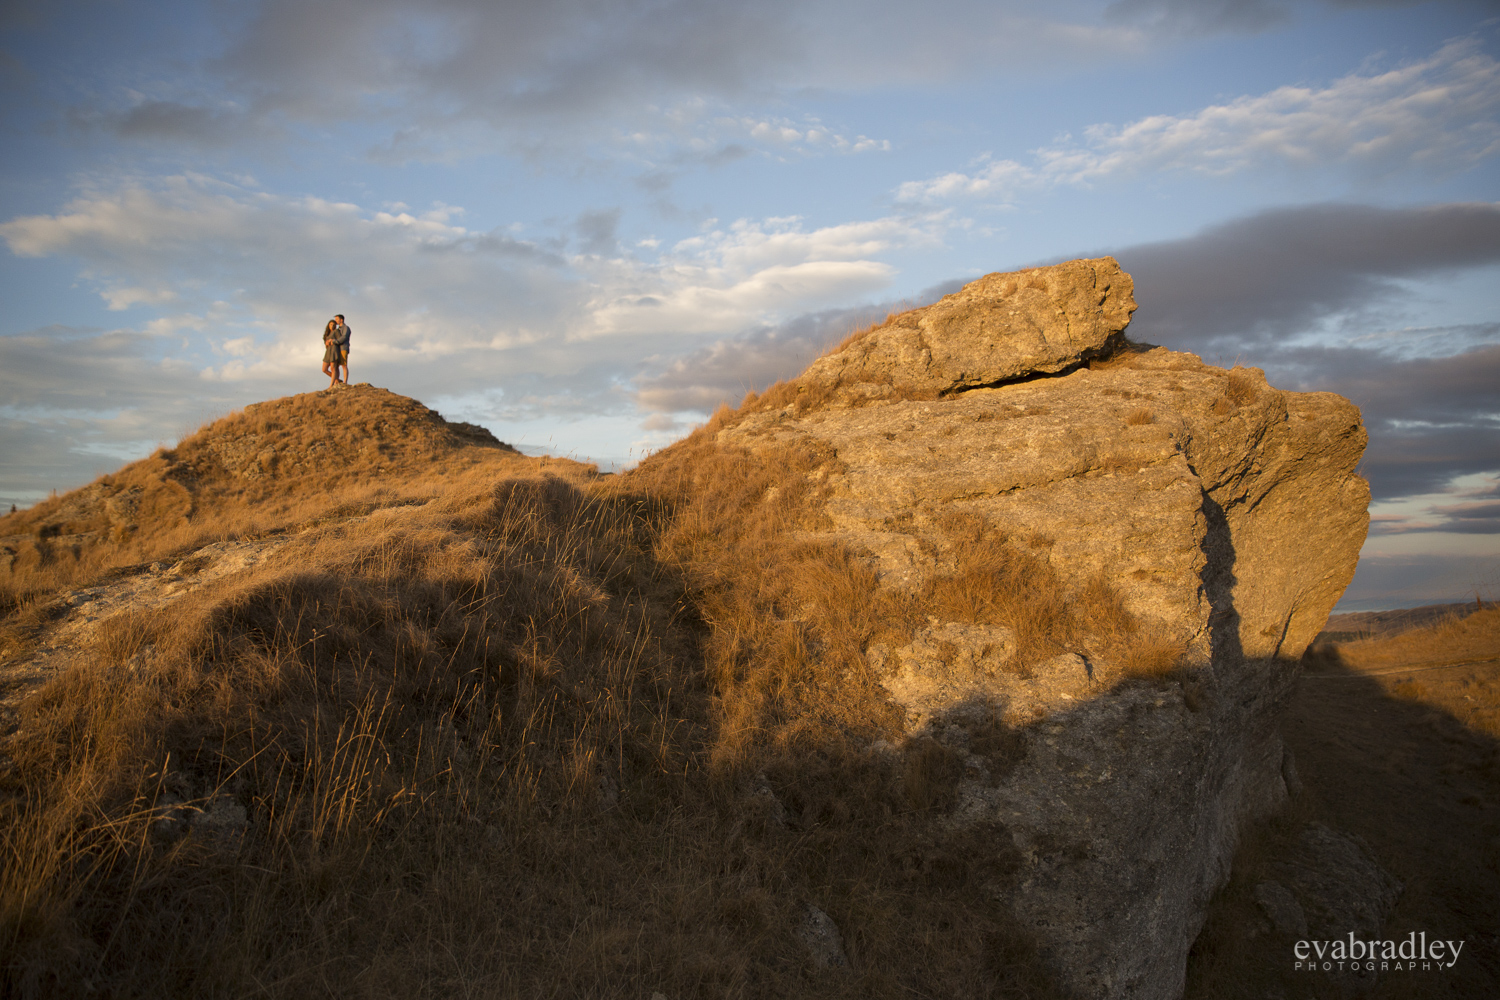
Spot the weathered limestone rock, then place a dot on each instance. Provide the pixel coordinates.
(1001, 327)
(1282, 909)
(1224, 513)
(1337, 884)
(1192, 489)
(820, 936)
(222, 821)
(1327, 886)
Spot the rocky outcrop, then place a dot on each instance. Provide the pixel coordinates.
(1222, 514)
(999, 328)
(1327, 886)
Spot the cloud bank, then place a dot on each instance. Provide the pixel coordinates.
(275, 264)
(429, 74)
(1437, 115)
(236, 282)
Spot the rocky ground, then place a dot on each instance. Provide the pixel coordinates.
(76, 616)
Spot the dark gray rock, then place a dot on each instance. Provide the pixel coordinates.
(1282, 909)
(1340, 885)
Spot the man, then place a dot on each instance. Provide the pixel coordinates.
(341, 335)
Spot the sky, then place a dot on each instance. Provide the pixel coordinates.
(586, 223)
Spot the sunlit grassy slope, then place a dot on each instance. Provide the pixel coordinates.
(487, 725)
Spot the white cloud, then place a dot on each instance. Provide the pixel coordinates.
(664, 142)
(228, 289)
(121, 298)
(239, 260)
(425, 287)
(1438, 114)
(807, 136)
(74, 404)
(751, 272)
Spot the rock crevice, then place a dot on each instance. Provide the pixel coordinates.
(1222, 515)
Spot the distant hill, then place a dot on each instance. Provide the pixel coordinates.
(1380, 624)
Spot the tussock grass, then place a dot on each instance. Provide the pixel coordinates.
(1472, 637)
(513, 740)
(274, 466)
(368, 699)
(512, 730)
(789, 619)
(1000, 580)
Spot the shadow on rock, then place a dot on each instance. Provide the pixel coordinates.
(1393, 831)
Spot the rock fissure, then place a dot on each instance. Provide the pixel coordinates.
(1181, 491)
(1033, 376)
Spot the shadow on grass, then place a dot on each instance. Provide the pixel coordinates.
(471, 753)
(1420, 788)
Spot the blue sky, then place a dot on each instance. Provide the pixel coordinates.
(585, 223)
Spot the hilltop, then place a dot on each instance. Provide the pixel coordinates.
(263, 469)
(259, 468)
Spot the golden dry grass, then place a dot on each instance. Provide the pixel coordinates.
(507, 729)
(277, 465)
(511, 741)
(1475, 636)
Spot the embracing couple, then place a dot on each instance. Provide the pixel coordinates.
(336, 350)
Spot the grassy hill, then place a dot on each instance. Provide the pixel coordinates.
(382, 708)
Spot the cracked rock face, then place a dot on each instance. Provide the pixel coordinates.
(1001, 327)
(1193, 490)
(1224, 513)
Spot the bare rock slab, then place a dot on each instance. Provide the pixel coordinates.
(1001, 327)
(820, 936)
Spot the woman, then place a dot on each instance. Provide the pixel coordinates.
(332, 356)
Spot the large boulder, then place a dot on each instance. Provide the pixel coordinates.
(1223, 515)
(999, 328)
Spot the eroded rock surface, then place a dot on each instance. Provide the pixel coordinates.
(1189, 488)
(1225, 515)
(1337, 885)
(1001, 327)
